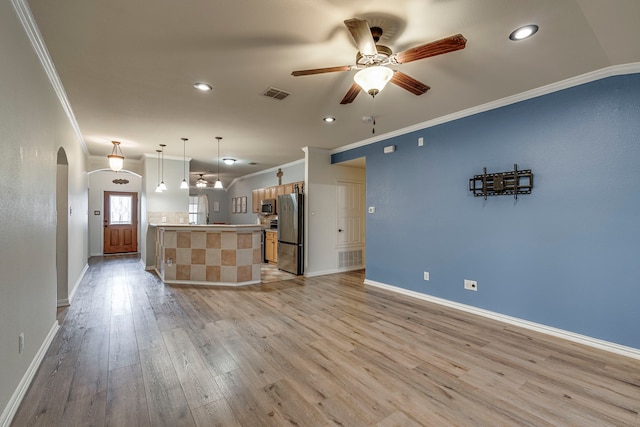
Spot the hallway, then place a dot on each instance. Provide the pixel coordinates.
(310, 352)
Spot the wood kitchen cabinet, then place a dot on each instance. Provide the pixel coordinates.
(260, 194)
(257, 196)
(255, 202)
(271, 193)
(271, 247)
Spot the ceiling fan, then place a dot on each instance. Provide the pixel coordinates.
(373, 60)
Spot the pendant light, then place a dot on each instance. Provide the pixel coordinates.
(116, 159)
(185, 184)
(158, 189)
(163, 187)
(218, 183)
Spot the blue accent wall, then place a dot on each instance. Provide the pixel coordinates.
(567, 255)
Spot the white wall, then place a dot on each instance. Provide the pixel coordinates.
(172, 204)
(99, 182)
(34, 126)
(215, 195)
(321, 214)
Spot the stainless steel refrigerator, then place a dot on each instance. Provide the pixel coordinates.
(291, 233)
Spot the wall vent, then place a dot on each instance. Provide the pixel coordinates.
(274, 93)
(350, 258)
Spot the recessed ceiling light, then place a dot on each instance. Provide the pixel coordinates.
(202, 86)
(329, 119)
(228, 161)
(523, 32)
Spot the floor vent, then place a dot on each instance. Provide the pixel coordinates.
(274, 93)
(350, 258)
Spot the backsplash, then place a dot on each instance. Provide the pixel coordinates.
(265, 220)
(168, 217)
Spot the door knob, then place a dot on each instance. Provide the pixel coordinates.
(340, 230)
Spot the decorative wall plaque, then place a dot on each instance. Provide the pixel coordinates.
(120, 181)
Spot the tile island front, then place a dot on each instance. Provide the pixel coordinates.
(217, 255)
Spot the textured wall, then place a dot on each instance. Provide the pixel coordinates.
(34, 126)
(564, 256)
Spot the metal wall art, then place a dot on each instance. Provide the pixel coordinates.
(502, 183)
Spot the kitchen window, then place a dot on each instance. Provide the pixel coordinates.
(193, 209)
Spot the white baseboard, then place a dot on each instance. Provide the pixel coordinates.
(11, 408)
(337, 270)
(64, 302)
(147, 267)
(560, 333)
(77, 284)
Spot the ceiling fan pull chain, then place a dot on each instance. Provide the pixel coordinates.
(373, 130)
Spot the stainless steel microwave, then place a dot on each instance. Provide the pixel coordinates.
(268, 206)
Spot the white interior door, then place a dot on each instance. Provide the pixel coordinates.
(351, 198)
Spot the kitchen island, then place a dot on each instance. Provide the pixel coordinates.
(217, 255)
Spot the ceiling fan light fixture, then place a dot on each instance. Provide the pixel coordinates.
(201, 182)
(228, 161)
(523, 32)
(373, 79)
(204, 87)
(116, 159)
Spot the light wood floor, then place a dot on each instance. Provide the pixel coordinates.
(308, 352)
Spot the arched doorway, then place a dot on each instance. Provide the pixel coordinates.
(62, 227)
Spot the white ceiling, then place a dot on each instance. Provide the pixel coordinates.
(128, 67)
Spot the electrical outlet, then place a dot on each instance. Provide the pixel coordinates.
(420, 142)
(426, 275)
(20, 342)
(470, 285)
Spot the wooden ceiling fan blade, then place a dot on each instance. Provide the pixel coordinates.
(361, 33)
(438, 47)
(321, 70)
(353, 91)
(409, 83)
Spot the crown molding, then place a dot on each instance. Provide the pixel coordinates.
(166, 157)
(616, 70)
(273, 169)
(33, 33)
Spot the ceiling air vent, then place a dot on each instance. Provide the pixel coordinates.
(274, 93)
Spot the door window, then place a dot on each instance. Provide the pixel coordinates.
(121, 212)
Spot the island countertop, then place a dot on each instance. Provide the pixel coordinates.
(199, 226)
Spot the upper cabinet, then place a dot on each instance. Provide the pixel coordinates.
(257, 196)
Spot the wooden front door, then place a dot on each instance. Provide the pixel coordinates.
(120, 222)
